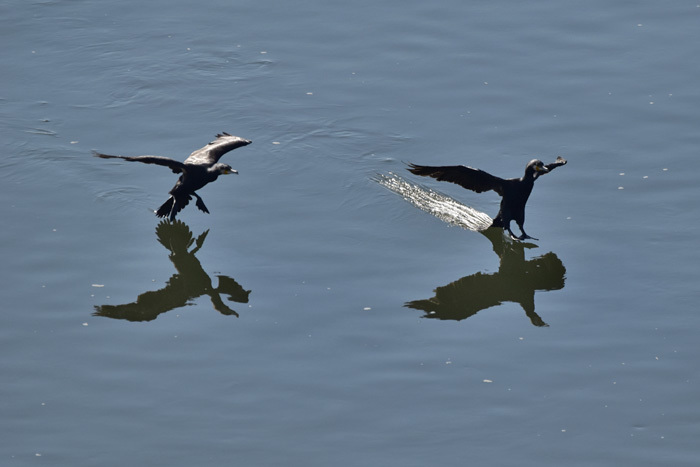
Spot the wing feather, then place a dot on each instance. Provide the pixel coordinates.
(467, 177)
(212, 152)
(175, 166)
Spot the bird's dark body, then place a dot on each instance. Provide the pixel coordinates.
(519, 191)
(186, 187)
(514, 191)
(199, 169)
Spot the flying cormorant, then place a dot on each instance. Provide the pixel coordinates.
(514, 191)
(200, 168)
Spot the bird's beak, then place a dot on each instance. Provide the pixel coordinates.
(542, 169)
(232, 171)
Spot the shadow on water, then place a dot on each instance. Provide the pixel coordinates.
(517, 279)
(190, 281)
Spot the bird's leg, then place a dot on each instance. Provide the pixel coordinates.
(506, 228)
(200, 204)
(174, 209)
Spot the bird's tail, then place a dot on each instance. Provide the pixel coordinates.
(172, 206)
(164, 210)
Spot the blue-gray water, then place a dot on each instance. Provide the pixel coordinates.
(369, 332)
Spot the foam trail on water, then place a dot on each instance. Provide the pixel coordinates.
(441, 206)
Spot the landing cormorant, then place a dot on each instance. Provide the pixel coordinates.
(514, 191)
(200, 168)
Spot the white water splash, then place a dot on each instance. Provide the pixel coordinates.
(441, 206)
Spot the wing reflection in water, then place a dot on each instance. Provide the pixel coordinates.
(517, 279)
(190, 281)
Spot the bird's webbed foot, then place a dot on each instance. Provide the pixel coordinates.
(200, 204)
(522, 237)
(525, 236)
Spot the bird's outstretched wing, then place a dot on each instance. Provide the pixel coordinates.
(558, 163)
(212, 152)
(467, 177)
(175, 166)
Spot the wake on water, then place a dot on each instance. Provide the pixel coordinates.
(441, 206)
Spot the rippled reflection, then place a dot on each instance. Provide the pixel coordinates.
(190, 281)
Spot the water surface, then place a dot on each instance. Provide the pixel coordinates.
(316, 317)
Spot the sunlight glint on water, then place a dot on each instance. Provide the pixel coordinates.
(441, 206)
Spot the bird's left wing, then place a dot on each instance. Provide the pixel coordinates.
(212, 152)
(467, 177)
(175, 166)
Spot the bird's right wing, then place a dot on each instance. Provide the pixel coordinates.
(558, 163)
(175, 166)
(467, 177)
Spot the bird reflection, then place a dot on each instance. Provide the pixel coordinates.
(516, 281)
(189, 283)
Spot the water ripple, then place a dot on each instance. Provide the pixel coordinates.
(441, 206)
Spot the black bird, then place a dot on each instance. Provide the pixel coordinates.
(200, 168)
(514, 191)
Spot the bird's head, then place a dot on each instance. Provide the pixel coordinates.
(223, 169)
(535, 168)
